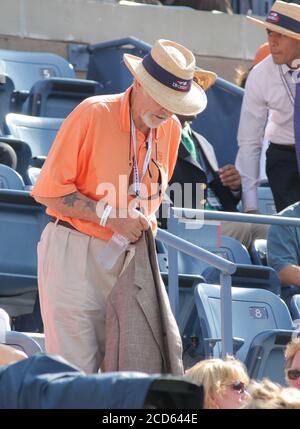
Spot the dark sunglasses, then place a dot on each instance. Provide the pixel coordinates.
(293, 374)
(153, 164)
(238, 386)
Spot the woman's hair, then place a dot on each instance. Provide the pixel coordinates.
(268, 395)
(215, 374)
(242, 76)
(291, 349)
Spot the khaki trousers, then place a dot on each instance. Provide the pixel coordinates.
(244, 232)
(73, 289)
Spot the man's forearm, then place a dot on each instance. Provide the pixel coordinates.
(75, 205)
(290, 275)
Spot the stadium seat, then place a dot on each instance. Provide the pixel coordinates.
(21, 223)
(294, 305)
(253, 311)
(37, 132)
(21, 341)
(10, 179)
(25, 68)
(265, 357)
(106, 63)
(248, 276)
(57, 97)
(6, 99)
(265, 199)
(258, 252)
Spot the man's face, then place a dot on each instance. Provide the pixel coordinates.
(284, 49)
(152, 113)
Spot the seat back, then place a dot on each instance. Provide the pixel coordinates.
(258, 251)
(6, 99)
(265, 200)
(10, 179)
(248, 276)
(57, 97)
(21, 223)
(253, 311)
(106, 64)
(25, 68)
(21, 341)
(294, 306)
(265, 358)
(39, 133)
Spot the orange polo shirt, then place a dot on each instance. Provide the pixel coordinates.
(93, 154)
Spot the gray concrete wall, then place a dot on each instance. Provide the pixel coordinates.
(218, 40)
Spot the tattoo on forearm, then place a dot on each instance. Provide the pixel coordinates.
(90, 205)
(70, 200)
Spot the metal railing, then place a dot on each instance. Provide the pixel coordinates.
(226, 267)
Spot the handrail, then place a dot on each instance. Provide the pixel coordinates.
(196, 251)
(226, 267)
(234, 216)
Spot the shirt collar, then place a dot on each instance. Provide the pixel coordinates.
(285, 69)
(125, 116)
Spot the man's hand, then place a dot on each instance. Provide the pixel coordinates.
(230, 177)
(130, 224)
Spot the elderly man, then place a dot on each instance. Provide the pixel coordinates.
(272, 93)
(114, 154)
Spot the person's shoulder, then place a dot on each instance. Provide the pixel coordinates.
(291, 211)
(101, 101)
(264, 67)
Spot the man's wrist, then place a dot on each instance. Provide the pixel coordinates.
(105, 215)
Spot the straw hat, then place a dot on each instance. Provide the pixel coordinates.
(283, 18)
(167, 74)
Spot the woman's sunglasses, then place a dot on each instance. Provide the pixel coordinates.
(293, 374)
(238, 386)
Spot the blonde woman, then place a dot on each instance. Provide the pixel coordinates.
(268, 395)
(225, 382)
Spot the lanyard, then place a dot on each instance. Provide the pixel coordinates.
(136, 178)
(287, 86)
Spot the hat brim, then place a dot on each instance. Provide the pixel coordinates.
(273, 27)
(180, 103)
(205, 78)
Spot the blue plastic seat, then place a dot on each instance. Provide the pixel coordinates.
(6, 99)
(37, 132)
(25, 68)
(10, 179)
(294, 305)
(22, 342)
(265, 357)
(253, 311)
(22, 221)
(265, 200)
(57, 97)
(106, 63)
(258, 252)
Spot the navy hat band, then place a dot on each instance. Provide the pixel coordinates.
(165, 77)
(283, 21)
